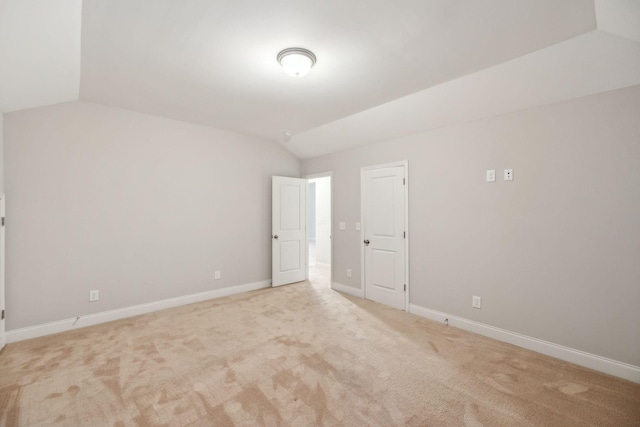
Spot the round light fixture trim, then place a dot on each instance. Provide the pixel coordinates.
(296, 61)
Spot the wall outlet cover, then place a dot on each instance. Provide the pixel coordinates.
(508, 174)
(476, 302)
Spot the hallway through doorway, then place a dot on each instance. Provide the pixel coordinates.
(319, 229)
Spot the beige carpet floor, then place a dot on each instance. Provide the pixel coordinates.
(298, 355)
(320, 274)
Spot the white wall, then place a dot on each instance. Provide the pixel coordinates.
(553, 254)
(323, 220)
(139, 207)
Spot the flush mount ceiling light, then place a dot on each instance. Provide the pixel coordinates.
(296, 61)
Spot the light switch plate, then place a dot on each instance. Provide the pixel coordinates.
(491, 175)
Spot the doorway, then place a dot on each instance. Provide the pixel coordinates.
(319, 229)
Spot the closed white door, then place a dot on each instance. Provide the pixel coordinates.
(288, 231)
(383, 210)
(2, 336)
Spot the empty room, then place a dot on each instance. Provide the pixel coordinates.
(329, 213)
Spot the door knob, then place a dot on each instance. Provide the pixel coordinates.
(366, 242)
(275, 237)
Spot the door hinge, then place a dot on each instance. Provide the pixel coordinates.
(404, 181)
(405, 234)
(405, 287)
(2, 317)
(3, 221)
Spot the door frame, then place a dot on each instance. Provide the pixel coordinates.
(405, 164)
(322, 175)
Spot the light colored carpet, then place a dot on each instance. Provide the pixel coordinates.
(298, 355)
(320, 274)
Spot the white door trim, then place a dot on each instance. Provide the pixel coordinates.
(323, 175)
(405, 164)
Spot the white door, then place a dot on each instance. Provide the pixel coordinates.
(384, 234)
(2, 337)
(288, 230)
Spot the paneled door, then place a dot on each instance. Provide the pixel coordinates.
(288, 230)
(384, 234)
(2, 330)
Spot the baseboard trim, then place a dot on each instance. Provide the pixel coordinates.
(582, 358)
(121, 313)
(356, 292)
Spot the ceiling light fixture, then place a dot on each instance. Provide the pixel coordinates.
(296, 61)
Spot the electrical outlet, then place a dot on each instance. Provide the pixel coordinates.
(216, 275)
(491, 175)
(348, 272)
(94, 296)
(357, 226)
(476, 302)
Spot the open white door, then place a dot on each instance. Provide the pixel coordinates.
(384, 234)
(2, 336)
(288, 230)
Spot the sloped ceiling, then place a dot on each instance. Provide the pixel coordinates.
(591, 63)
(384, 68)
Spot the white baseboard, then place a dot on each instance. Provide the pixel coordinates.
(588, 360)
(121, 313)
(356, 292)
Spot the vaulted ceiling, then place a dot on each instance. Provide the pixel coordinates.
(384, 68)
